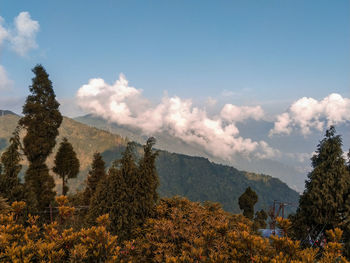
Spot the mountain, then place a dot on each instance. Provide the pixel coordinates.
(257, 130)
(194, 177)
(7, 112)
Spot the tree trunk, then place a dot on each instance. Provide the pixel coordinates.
(64, 190)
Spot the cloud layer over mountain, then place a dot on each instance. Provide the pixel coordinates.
(218, 134)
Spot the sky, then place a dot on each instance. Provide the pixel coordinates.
(191, 68)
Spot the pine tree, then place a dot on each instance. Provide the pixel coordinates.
(322, 206)
(66, 164)
(10, 186)
(126, 204)
(128, 192)
(148, 180)
(247, 201)
(41, 120)
(96, 174)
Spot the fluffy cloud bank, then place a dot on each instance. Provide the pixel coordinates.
(21, 36)
(218, 134)
(307, 113)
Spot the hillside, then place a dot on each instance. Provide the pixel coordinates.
(194, 177)
(285, 171)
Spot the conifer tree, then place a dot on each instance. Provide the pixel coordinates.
(148, 180)
(322, 206)
(247, 201)
(126, 201)
(10, 186)
(101, 201)
(96, 174)
(116, 194)
(128, 193)
(66, 164)
(41, 120)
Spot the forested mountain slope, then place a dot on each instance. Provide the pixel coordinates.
(286, 171)
(192, 177)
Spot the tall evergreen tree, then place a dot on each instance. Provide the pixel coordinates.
(125, 206)
(10, 186)
(148, 180)
(41, 120)
(322, 205)
(247, 201)
(96, 174)
(128, 193)
(66, 164)
(116, 194)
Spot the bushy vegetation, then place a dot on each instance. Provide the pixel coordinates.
(178, 231)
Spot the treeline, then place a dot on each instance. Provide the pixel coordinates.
(122, 219)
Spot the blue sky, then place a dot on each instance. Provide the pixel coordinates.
(265, 52)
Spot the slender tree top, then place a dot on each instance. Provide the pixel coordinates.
(42, 117)
(42, 92)
(329, 149)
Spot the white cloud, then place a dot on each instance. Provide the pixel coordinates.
(22, 38)
(5, 82)
(236, 114)
(307, 113)
(219, 135)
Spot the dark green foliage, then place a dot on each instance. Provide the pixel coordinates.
(247, 201)
(260, 219)
(323, 204)
(41, 120)
(10, 186)
(117, 194)
(128, 193)
(196, 178)
(66, 164)
(96, 174)
(148, 180)
(200, 180)
(39, 186)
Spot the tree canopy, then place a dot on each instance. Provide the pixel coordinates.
(41, 120)
(66, 164)
(10, 185)
(323, 206)
(247, 201)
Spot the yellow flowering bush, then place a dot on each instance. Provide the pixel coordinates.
(180, 231)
